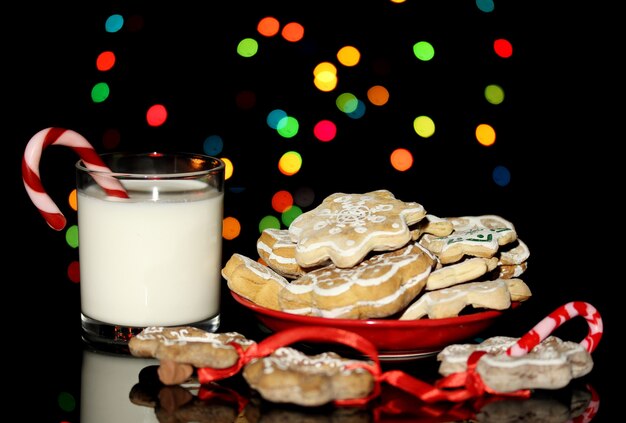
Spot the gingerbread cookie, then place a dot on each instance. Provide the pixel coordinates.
(344, 228)
(478, 236)
(181, 349)
(289, 376)
(449, 302)
(516, 252)
(513, 259)
(433, 225)
(278, 251)
(551, 364)
(253, 281)
(377, 287)
(465, 270)
(508, 271)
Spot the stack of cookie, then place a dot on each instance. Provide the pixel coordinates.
(371, 255)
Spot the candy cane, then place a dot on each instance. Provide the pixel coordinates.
(556, 319)
(30, 171)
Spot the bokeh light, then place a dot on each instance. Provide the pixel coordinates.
(282, 200)
(378, 95)
(213, 145)
(71, 236)
(347, 102)
(100, 92)
(274, 117)
(424, 51)
(424, 126)
(114, 23)
(228, 168)
(288, 127)
(503, 48)
(501, 176)
(73, 271)
(268, 26)
(290, 214)
(325, 130)
(485, 134)
(494, 94)
(105, 61)
(485, 5)
(293, 32)
(248, 47)
(349, 56)
(269, 222)
(72, 200)
(66, 401)
(290, 163)
(304, 196)
(231, 228)
(156, 115)
(111, 138)
(401, 159)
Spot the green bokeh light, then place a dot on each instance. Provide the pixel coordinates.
(247, 47)
(100, 92)
(66, 401)
(290, 214)
(71, 236)
(269, 222)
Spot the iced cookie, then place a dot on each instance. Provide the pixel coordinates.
(465, 270)
(289, 376)
(180, 349)
(449, 302)
(377, 287)
(513, 259)
(278, 251)
(253, 281)
(485, 221)
(344, 228)
(508, 271)
(551, 364)
(433, 225)
(516, 252)
(477, 236)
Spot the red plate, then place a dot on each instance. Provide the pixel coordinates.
(394, 339)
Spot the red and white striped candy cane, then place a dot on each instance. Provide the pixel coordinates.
(556, 319)
(30, 170)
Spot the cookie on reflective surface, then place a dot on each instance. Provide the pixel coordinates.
(290, 376)
(344, 228)
(551, 364)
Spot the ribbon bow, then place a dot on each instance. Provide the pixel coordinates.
(457, 387)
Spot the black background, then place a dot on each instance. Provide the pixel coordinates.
(555, 134)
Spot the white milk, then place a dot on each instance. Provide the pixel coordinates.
(146, 263)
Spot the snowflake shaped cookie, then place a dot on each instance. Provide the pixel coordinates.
(344, 228)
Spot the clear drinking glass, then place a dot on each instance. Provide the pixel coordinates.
(152, 257)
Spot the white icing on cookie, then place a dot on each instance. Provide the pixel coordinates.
(382, 284)
(345, 227)
(172, 336)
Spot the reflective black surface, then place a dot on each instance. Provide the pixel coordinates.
(71, 381)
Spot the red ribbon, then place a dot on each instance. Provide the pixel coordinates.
(457, 387)
(467, 384)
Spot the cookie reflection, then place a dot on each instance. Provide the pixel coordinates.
(232, 401)
(105, 382)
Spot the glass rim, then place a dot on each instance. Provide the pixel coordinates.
(218, 165)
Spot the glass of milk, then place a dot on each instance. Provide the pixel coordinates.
(152, 257)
